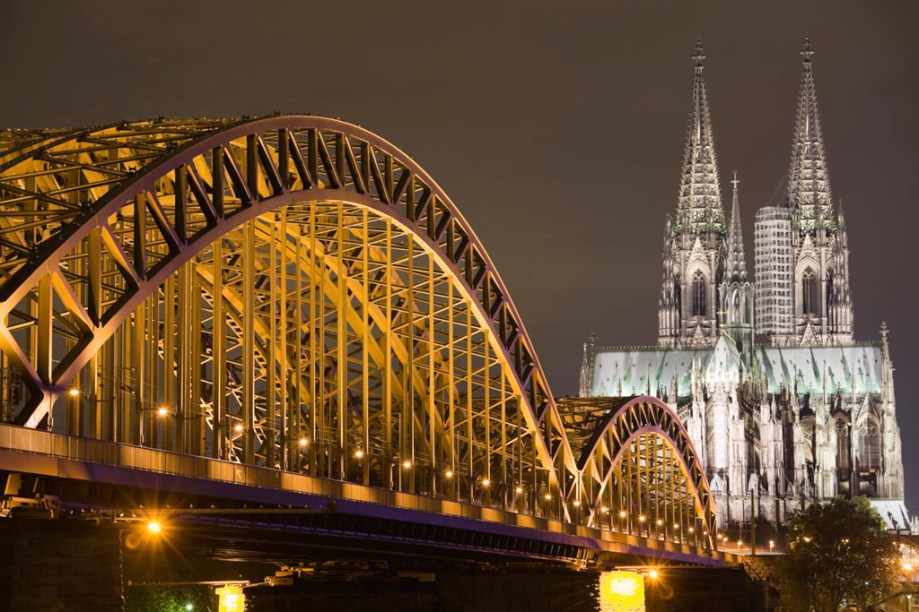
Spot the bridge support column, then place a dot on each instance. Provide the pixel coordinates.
(59, 565)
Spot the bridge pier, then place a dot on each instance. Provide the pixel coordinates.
(60, 565)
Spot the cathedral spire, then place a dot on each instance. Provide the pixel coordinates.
(808, 174)
(699, 208)
(735, 265)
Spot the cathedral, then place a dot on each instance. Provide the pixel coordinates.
(783, 405)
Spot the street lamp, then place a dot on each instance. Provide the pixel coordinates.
(161, 412)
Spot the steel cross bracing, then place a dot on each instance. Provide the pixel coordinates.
(297, 293)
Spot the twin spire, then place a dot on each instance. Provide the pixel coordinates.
(808, 174)
(699, 208)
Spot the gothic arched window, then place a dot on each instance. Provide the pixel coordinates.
(810, 293)
(842, 445)
(870, 447)
(698, 295)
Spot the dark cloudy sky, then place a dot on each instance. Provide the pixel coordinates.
(556, 127)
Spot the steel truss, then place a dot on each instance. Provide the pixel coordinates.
(297, 293)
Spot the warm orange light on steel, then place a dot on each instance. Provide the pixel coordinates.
(297, 291)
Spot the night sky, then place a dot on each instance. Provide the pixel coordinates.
(556, 127)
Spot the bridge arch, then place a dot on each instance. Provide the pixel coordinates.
(637, 460)
(186, 265)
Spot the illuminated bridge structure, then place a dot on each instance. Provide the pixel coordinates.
(286, 321)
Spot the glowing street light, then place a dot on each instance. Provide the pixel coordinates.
(622, 514)
(73, 392)
(486, 482)
(303, 442)
(406, 465)
(358, 454)
(162, 411)
(448, 474)
(652, 574)
(238, 428)
(519, 489)
(154, 527)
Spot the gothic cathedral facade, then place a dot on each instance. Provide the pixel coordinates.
(781, 402)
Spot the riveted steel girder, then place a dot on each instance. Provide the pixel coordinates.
(296, 293)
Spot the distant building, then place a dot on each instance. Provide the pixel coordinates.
(779, 399)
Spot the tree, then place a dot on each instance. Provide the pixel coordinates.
(837, 552)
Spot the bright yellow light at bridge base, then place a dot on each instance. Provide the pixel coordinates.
(154, 527)
(231, 599)
(622, 592)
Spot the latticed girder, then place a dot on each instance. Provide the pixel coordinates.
(292, 292)
(639, 470)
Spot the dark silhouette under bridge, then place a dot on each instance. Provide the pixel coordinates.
(288, 313)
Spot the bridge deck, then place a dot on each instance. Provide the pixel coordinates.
(75, 459)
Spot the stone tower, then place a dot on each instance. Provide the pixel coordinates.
(822, 304)
(694, 239)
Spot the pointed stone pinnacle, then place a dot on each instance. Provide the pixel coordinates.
(806, 50)
(699, 56)
(735, 264)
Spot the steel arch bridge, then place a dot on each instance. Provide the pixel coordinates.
(295, 293)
